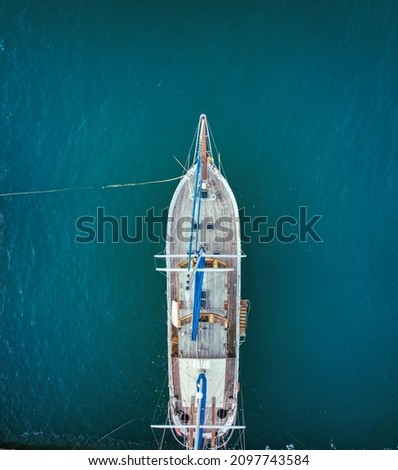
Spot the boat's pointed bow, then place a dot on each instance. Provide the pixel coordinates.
(203, 144)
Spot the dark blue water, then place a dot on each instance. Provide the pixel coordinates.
(302, 100)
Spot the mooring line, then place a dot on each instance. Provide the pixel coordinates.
(108, 186)
(23, 193)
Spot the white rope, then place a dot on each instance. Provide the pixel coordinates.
(23, 193)
(140, 184)
(108, 186)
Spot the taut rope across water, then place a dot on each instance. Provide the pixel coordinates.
(108, 186)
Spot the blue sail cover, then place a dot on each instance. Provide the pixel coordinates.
(197, 297)
(197, 195)
(202, 377)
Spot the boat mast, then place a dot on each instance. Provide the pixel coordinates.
(203, 150)
(197, 190)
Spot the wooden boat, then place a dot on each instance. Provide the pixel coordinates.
(206, 317)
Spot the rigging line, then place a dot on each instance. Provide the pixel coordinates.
(295, 438)
(188, 160)
(222, 167)
(159, 398)
(116, 429)
(154, 414)
(194, 139)
(207, 283)
(211, 138)
(242, 436)
(181, 165)
(221, 382)
(164, 433)
(193, 143)
(278, 425)
(108, 186)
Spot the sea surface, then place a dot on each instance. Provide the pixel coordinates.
(302, 99)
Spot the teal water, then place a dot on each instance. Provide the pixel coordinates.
(302, 100)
